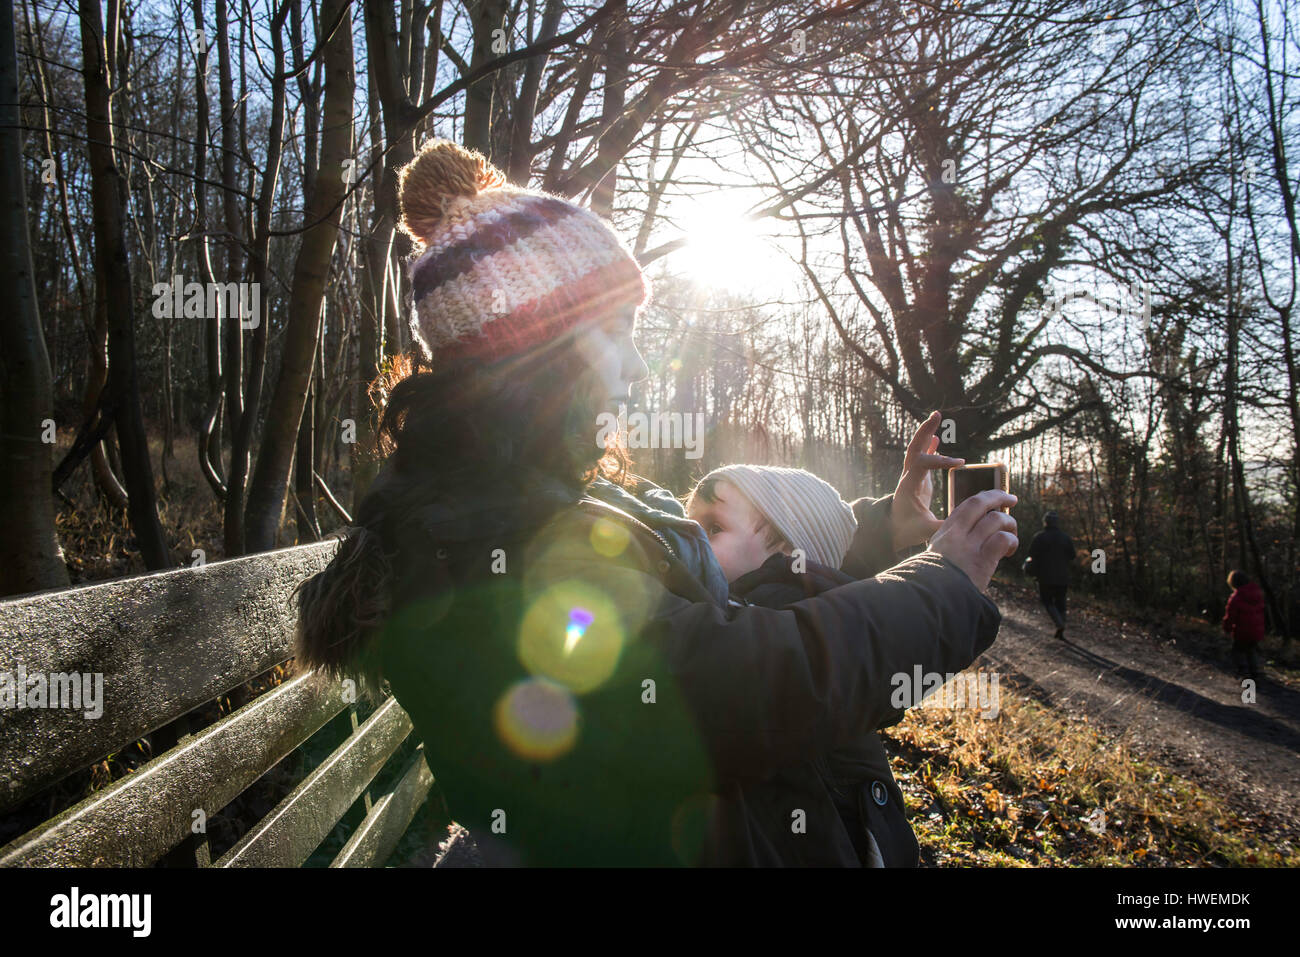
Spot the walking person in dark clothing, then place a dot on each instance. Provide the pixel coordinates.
(1051, 554)
(1243, 620)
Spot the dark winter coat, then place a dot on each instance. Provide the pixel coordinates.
(593, 704)
(857, 775)
(1051, 555)
(1244, 616)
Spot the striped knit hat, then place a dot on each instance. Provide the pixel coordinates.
(807, 512)
(501, 270)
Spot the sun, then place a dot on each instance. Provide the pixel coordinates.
(726, 249)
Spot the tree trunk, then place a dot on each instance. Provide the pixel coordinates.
(93, 318)
(96, 376)
(113, 270)
(208, 445)
(486, 17)
(266, 494)
(233, 537)
(304, 466)
(613, 103)
(30, 556)
(388, 153)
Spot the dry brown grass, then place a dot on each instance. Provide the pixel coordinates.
(96, 539)
(1015, 791)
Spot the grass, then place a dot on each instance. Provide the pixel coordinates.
(1025, 790)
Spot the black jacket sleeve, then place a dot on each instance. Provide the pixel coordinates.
(768, 687)
(872, 549)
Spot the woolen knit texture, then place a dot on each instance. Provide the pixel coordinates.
(503, 270)
(803, 508)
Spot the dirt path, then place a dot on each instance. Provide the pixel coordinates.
(1173, 701)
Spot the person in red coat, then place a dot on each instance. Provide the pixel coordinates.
(1243, 620)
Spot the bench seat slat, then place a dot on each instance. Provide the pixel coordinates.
(164, 643)
(287, 836)
(375, 838)
(134, 821)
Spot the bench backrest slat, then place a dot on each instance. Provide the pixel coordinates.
(375, 838)
(164, 644)
(287, 836)
(134, 821)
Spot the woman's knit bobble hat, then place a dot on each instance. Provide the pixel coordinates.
(501, 271)
(805, 510)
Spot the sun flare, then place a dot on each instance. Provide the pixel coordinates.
(727, 250)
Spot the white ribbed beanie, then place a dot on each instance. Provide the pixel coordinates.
(805, 510)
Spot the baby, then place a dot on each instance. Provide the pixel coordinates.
(751, 512)
(782, 535)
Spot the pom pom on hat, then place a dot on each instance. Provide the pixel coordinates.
(441, 172)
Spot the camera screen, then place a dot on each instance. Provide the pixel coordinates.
(967, 480)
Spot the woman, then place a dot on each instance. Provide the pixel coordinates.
(559, 632)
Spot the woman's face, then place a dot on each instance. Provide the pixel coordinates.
(612, 357)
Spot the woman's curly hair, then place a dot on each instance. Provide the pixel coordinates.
(447, 434)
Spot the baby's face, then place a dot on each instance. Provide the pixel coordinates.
(732, 524)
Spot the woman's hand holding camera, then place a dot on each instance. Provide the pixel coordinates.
(978, 535)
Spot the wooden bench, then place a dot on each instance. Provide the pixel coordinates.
(167, 644)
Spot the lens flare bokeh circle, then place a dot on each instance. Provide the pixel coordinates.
(537, 719)
(571, 635)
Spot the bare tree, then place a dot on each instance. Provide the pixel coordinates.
(120, 399)
(972, 156)
(321, 216)
(1277, 284)
(30, 556)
